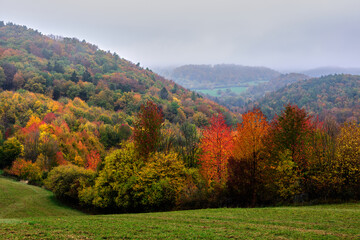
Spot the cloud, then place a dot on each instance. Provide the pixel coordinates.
(277, 33)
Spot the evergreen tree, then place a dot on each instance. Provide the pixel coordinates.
(74, 77)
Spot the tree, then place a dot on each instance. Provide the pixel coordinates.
(189, 140)
(147, 133)
(216, 145)
(86, 77)
(36, 84)
(9, 70)
(175, 89)
(164, 94)
(74, 77)
(9, 151)
(289, 148)
(18, 81)
(127, 183)
(2, 77)
(249, 146)
(348, 159)
(58, 67)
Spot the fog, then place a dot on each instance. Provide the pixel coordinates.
(282, 34)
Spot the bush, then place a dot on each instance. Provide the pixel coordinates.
(26, 170)
(9, 151)
(66, 181)
(127, 183)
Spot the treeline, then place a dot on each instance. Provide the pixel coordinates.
(293, 158)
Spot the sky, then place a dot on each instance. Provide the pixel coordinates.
(281, 34)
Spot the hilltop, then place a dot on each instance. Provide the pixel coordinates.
(335, 95)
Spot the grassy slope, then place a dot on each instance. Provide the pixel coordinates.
(315, 222)
(19, 200)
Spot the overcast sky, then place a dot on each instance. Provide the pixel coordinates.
(282, 34)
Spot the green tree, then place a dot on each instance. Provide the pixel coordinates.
(164, 94)
(36, 84)
(74, 77)
(9, 151)
(86, 77)
(189, 142)
(2, 77)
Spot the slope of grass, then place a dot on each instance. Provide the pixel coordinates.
(19, 200)
(28, 212)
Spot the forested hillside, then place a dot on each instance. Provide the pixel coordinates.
(334, 95)
(240, 102)
(78, 84)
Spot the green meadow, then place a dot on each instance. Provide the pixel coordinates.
(237, 90)
(29, 212)
(214, 92)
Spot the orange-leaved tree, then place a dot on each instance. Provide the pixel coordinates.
(248, 147)
(216, 145)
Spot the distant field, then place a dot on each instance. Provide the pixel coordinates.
(315, 222)
(214, 92)
(238, 90)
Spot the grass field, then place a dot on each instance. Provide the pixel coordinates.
(314, 222)
(214, 92)
(19, 200)
(238, 90)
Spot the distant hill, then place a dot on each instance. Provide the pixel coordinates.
(323, 71)
(338, 95)
(274, 84)
(217, 76)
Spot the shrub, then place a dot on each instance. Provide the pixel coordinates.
(67, 180)
(127, 183)
(9, 151)
(26, 170)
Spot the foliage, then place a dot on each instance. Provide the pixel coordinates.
(26, 170)
(9, 151)
(288, 147)
(128, 184)
(248, 148)
(188, 144)
(147, 129)
(348, 159)
(334, 94)
(216, 145)
(66, 181)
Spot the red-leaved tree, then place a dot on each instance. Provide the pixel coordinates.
(216, 145)
(147, 133)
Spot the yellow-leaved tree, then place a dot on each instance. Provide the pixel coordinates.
(348, 159)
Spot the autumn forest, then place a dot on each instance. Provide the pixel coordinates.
(106, 135)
